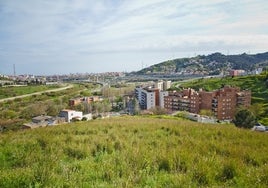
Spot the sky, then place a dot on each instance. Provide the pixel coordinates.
(45, 37)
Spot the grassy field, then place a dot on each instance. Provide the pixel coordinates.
(134, 152)
(6, 92)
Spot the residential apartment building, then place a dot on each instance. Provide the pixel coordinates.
(146, 97)
(187, 100)
(166, 85)
(162, 85)
(222, 102)
(162, 95)
(79, 100)
(237, 72)
(149, 97)
(152, 95)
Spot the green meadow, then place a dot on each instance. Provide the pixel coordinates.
(134, 152)
(6, 92)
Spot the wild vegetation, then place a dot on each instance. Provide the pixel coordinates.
(134, 152)
(212, 64)
(14, 113)
(10, 91)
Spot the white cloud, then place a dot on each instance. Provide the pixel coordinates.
(89, 30)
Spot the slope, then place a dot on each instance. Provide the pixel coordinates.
(134, 152)
(209, 65)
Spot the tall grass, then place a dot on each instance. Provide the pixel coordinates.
(134, 152)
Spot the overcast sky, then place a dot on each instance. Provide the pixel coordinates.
(70, 36)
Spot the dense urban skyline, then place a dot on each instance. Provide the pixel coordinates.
(48, 37)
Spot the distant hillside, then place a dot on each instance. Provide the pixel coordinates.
(212, 64)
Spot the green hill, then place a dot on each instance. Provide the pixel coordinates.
(134, 152)
(212, 64)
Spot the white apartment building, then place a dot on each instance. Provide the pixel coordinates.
(146, 97)
(152, 96)
(166, 85)
(158, 85)
(162, 85)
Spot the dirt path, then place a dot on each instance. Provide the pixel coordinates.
(36, 93)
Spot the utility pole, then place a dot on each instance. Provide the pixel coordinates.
(14, 70)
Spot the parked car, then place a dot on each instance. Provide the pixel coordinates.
(260, 127)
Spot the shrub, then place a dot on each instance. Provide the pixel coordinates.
(245, 119)
(228, 172)
(75, 153)
(164, 165)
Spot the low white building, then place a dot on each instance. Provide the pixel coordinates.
(87, 116)
(71, 114)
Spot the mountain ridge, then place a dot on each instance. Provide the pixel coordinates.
(212, 64)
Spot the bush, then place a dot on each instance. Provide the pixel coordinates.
(228, 172)
(164, 165)
(244, 119)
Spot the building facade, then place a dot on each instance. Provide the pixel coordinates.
(146, 97)
(79, 100)
(150, 97)
(71, 114)
(222, 103)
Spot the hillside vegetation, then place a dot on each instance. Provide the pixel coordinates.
(6, 92)
(18, 111)
(134, 152)
(212, 64)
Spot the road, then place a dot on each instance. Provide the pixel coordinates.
(36, 93)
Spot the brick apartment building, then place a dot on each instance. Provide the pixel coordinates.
(79, 100)
(222, 102)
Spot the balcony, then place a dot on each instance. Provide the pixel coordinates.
(214, 105)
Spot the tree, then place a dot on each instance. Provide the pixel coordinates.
(257, 109)
(79, 107)
(244, 119)
(136, 107)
